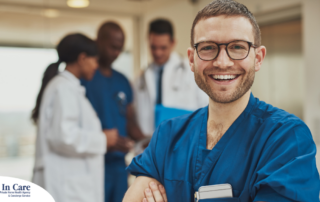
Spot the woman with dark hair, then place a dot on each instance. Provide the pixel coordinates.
(70, 142)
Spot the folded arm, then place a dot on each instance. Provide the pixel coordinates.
(136, 192)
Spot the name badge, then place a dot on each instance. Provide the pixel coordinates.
(213, 191)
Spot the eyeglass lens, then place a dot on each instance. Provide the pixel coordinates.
(236, 50)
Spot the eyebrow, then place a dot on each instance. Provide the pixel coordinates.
(217, 42)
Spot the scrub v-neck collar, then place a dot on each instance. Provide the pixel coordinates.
(206, 159)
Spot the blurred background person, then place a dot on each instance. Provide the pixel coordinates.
(70, 143)
(111, 96)
(166, 89)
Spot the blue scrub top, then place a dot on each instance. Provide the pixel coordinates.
(267, 154)
(110, 97)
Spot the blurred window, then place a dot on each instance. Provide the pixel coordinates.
(21, 71)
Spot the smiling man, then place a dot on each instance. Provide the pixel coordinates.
(263, 152)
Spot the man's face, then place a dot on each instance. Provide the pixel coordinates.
(161, 46)
(110, 47)
(211, 75)
(88, 66)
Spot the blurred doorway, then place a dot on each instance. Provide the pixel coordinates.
(280, 81)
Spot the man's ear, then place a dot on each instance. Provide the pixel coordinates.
(173, 42)
(81, 57)
(191, 58)
(260, 55)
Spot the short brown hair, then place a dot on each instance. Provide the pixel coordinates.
(228, 8)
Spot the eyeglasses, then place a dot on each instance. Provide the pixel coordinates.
(236, 50)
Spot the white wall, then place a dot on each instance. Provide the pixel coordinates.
(311, 44)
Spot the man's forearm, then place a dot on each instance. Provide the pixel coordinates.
(134, 131)
(135, 192)
(132, 125)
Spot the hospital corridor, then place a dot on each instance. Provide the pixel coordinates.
(126, 66)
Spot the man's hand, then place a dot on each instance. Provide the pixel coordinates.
(117, 143)
(146, 144)
(155, 193)
(123, 144)
(112, 137)
(132, 126)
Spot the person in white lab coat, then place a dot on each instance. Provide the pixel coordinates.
(168, 80)
(70, 142)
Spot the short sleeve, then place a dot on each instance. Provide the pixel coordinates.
(129, 92)
(287, 168)
(145, 164)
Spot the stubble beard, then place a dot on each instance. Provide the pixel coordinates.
(224, 98)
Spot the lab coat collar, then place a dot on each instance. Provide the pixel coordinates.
(173, 60)
(68, 75)
(169, 68)
(73, 79)
(150, 75)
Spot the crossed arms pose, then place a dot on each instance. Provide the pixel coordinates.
(264, 153)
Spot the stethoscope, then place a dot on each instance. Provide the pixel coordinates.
(178, 72)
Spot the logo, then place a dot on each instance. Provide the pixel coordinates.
(14, 190)
(121, 100)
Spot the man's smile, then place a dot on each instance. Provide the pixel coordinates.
(224, 78)
(220, 77)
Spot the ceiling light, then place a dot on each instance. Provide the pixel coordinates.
(50, 13)
(78, 3)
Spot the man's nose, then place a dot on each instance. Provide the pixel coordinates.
(158, 52)
(223, 60)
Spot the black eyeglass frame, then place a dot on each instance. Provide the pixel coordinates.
(219, 44)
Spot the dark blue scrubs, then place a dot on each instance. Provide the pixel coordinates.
(110, 97)
(266, 155)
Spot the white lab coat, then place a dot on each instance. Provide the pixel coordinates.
(70, 143)
(179, 90)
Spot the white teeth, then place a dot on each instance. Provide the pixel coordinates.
(224, 77)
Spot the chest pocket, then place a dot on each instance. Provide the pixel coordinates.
(178, 190)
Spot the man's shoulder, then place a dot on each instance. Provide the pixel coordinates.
(118, 75)
(269, 113)
(115, 74)
(278, 121)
